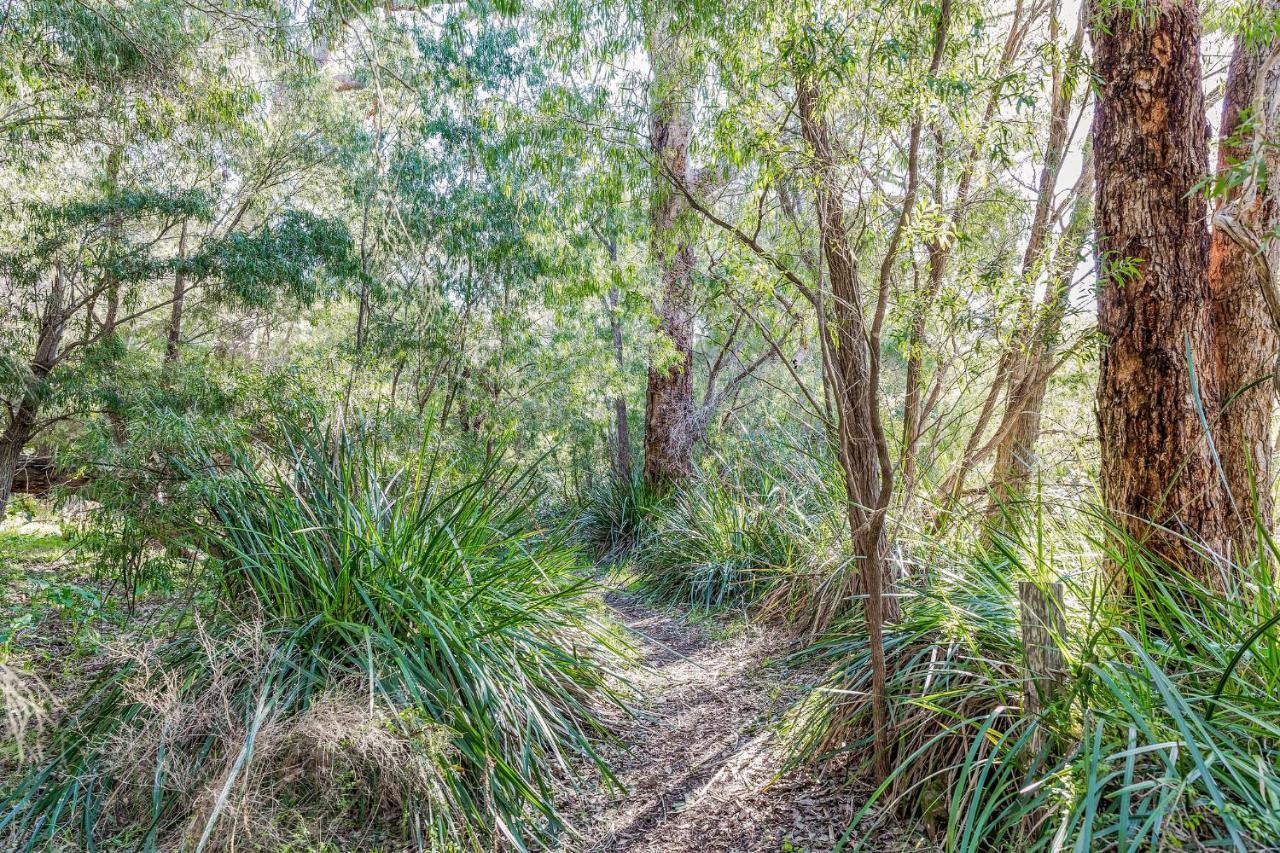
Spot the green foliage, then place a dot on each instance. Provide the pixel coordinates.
(761, 525)
(422, 589)
(150, 484)
(1155, 742)
(617, 517)
(291, 259)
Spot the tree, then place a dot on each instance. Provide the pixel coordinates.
(1245, 335)
(668, 419)
(79, 253)
(1157, 387)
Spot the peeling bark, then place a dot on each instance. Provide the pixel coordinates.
(1154, 302)
(1245, 336)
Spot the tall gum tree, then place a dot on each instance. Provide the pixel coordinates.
(669, 429)
(1156, 385)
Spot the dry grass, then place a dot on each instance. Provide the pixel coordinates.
(343, 769)
(26, 706)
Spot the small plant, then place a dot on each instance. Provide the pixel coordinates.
(744, 534)
(617, 518)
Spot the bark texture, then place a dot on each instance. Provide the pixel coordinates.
(1154, 304)
(22, 423)
(668, 421)
(1245, 337)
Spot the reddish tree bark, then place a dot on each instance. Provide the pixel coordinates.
(1154, 303)
(1245, 338)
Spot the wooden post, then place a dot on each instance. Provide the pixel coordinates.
(1043, 626)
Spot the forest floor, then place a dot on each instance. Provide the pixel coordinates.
(701, 762)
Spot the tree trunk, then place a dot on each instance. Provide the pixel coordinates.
(621, 427)
(1154, 304)
(14, 438)
(914, 408)
(22, 424)
(1245, 338)
(853, 367)
(668, 420)
(1015, 374)
(850, 369)
(1020, 429)
(173, 336)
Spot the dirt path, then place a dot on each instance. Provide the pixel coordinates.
(700, 762)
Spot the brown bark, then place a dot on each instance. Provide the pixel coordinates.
(173, 335)
(115, 417)
(22, 420)
(850, 358)
(852, 366)
(1245, 337)
(847, 358)
(668, 421)
(1154, 305)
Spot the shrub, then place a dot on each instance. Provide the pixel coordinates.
(468, 638)
(617, 517)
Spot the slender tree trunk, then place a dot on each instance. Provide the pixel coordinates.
(1154, 304)
(621, 425)
(111, 186)
(22, 423)
(1245, 338)
(1013, 375)
(1020, 429)
(850, 367)
(668, 421)
(173, 335)
(940, 250)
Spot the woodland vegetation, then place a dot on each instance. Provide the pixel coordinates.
(473, 425)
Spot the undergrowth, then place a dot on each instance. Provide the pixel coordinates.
(758, 526)
(396, 652)
(1165, 735)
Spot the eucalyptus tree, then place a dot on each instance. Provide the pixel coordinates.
(1157, 387)
(194, 150)
(668, 419)
(1242, 273)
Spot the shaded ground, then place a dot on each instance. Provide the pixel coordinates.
(701, 762)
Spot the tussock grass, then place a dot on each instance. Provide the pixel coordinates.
(617, 517)
(1167, 735)
(401, 628)
(759, 526)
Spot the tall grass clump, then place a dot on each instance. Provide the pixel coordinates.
(399, 644)
(1166, 735)
(617, 517)
(747, 532)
